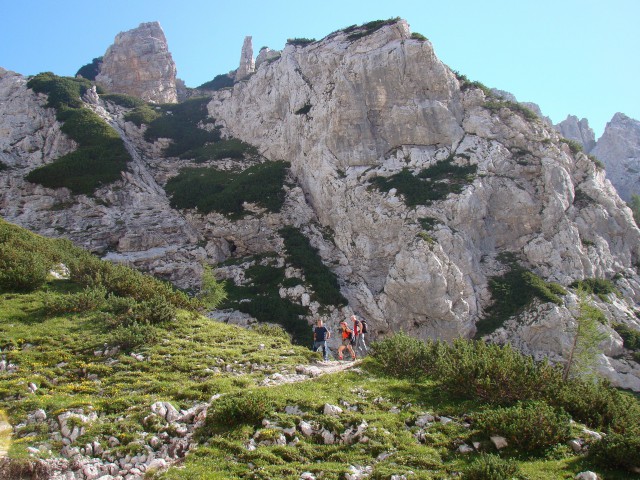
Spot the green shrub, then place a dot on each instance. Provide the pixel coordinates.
(617, 451)
(300, 42)
(119, 305)
(306, 108)
(495, 374)
(229, 148)
(302, 255)
(491, 467)
(512, 293)
(404, 356)
(597, 405)
(528, 425)
(101, 154)
(271, 330)
(123, 100)
(219, 82)
(91, 298)
(430, 184)
(134, 335)
(181, 123)
(208, 189)
(418, 36)
(3, 166)
(631, 338)
(574, 146)
(634, 205)
(356, 32)
(91, 70)
(597, 286)
(22, 270)
(497, 105)
(234, 410)
(143, 114)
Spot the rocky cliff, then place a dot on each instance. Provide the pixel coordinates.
(412, 184)
(578, 131)
(139, 63)
(619, 150)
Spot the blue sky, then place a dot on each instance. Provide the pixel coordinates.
(569, 56)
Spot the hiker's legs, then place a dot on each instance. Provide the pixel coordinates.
(362, 343)
(340, 350)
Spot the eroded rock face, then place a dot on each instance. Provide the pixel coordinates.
(619, 150)
(139, 63)
(247, 64)
(577, 130)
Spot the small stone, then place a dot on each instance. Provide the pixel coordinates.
(307, 476)
(575, 445)
(332, 409)
(588, 475)
(499, 442)
(445, 420)
(293, 410)
(424, 420)
(464, 448)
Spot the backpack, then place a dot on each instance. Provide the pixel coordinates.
(363, 326)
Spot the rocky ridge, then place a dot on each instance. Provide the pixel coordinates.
(350, 108)
(139, 63)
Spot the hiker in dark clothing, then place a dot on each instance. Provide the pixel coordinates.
(320, 337)
(359, 329)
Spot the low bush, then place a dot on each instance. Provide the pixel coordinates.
(529, 425)
(235, 410)
(208, 189)
(306, 108)
(575, 147)
(495, 374)
(491, 467)
(404, 356)
(617, 451)
(219, 82)
(356, 32)
(123, 100)
(597, 286)
(144, 114)
(597, 405)
(271, 330)
(91, 298)
(134, 335)
(22, 270)
(101, 155)
(430, 184)
(3, 166)
(302, 255)
(418, 36)
(300, 42)
(497, 105)
(631, 338)
(512, 293)
(91, 70)
(228, 148)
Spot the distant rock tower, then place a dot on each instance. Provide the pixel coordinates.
(247, 64)
(139, 63)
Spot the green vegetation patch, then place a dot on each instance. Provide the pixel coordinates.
(3, 166)
(357, 32)
(630, 338)
(300, 42)
(91, 70)
(512, 293)
(260, 298)
(123, 100)
(229, 148)
(418, 36)
(597, 286)
(208, 189)
(101, 155)
(218, 83)
(430, 184)
(496, 105)
(302, 255)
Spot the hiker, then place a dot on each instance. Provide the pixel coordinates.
(347, 339)
(359, 329)
(320, 337)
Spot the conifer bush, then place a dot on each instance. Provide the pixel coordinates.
(617, 450)
(531, 425)
(404, 356)
(491, 467)
(21, 270)
(234, 410)
(91, 298)
(496, 374)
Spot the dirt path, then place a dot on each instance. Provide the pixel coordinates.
(307, 372)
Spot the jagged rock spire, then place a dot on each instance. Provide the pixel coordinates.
(247, 64)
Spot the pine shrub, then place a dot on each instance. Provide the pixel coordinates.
(22, 270)
(617, 451)
(404, 356)
(234, 410)
(529, 425)
(495, 374)
(491, 467)
(91, 298)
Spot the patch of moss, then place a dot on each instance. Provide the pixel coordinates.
(218, 83)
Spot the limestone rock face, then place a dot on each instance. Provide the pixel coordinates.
(619, 150)
(139, 63)
(266, 54)
(247, 64)
(577, 130)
